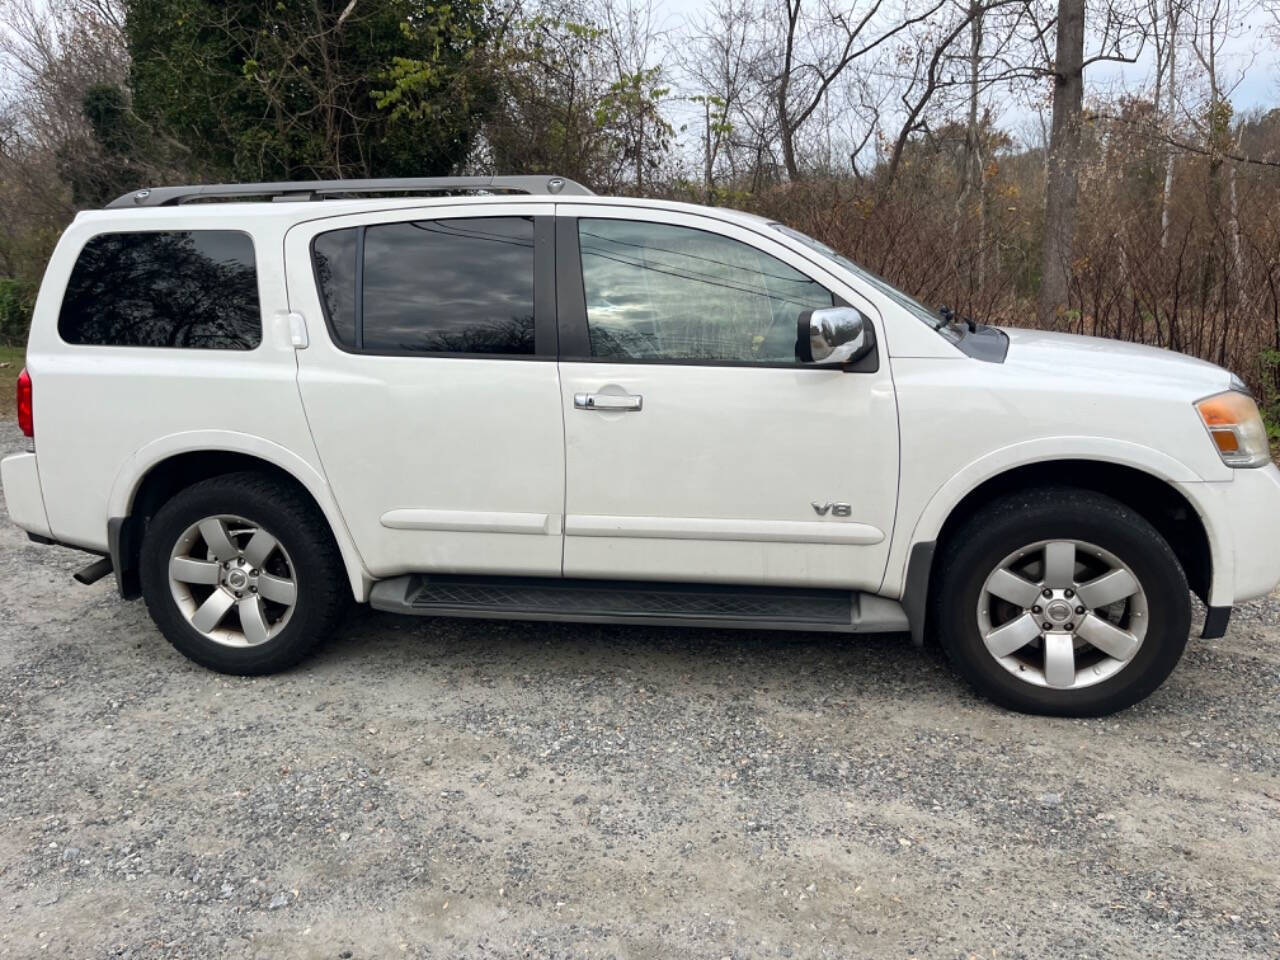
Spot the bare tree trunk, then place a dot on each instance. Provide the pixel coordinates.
(786, 132)
(1167, 122)
(973, 154)
(706, 195)
(1234, 228)
(971, 172)
(982, 226)
(975, 168)
(1062, 185)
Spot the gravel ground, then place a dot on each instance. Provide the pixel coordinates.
(445, 788)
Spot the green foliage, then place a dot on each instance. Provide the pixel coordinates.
(106, 107)
(631, 109)
(257, 89)
(564, 103)
(1269, 360)
(547, 70)
(105, 170)
(443, 81)
(1218, 123)
(16, 301)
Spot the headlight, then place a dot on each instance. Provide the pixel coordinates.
(1234, 423)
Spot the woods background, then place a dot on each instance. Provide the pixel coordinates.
(954, 146)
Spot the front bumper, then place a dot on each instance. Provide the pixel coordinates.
(22, 495)
(1252, 506)
(1242, 519)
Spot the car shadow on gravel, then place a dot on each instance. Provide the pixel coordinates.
(889, 662)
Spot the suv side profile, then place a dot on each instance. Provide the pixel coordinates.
(508, 397)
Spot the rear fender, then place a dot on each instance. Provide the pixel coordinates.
(135, 469)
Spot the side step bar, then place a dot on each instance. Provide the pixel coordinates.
(660, 604)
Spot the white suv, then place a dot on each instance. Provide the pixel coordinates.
(518, 399)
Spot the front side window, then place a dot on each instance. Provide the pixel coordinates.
(905, 300)
(179, 288)
(660, 292)
(457, 286)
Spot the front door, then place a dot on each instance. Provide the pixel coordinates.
(430, 384)
(697, 446)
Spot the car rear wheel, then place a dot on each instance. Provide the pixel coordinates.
(241, 575)
(1062, 602)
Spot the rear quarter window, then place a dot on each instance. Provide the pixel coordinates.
(194, 289)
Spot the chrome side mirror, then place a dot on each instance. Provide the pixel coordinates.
(832, 336)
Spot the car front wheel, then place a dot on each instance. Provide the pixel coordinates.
(1063, 602)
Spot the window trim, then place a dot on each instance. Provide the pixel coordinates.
(571, 302)
(238, 351)
(544, 290)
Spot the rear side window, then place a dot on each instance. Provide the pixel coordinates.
(334, 257)
(196, 289)
(456, 286)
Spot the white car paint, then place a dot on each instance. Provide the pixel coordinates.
(438, 462)
(972, 421)
(20, 476)
(714, 479)
(132, 472)
(97, 407)
(474, 465)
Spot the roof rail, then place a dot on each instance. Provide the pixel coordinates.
(323, 189)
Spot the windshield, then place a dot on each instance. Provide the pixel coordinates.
(911, 304)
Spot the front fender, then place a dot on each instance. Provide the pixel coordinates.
(1155, 463)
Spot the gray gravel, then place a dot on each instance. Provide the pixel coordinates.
(445, 788)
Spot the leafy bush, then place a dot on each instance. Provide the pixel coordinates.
(16, 301)
(1270, 399)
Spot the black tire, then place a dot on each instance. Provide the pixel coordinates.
(322, 590)
(1005, 526)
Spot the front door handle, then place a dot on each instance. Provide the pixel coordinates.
(608, 401)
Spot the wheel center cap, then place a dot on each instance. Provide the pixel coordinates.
(237, 579)
(1058, 611)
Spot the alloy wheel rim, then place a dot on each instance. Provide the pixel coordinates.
(1063, 614)
(233, 581)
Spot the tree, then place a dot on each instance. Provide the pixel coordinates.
(1121, 35)
(1213, 23)
(578, 90)
(1165, 17)
(1062, 169)
(817, 51)
(716, 57)
(333, 88)
(549, 77)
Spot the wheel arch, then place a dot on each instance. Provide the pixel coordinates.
(162, 468)
(1162, 497)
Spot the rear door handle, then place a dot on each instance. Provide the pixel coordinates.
(608, 401)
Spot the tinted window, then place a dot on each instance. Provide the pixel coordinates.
(195, 288)
(334, 256)
(656, 291)
(455, 286)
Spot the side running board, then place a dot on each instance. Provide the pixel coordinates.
(664, 604)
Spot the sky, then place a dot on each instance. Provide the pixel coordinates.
(1250, 64)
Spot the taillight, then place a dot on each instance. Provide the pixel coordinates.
(26, 418)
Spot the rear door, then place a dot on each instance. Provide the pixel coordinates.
(697, 446)
(430, 383)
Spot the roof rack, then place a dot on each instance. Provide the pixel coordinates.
(325, 189)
